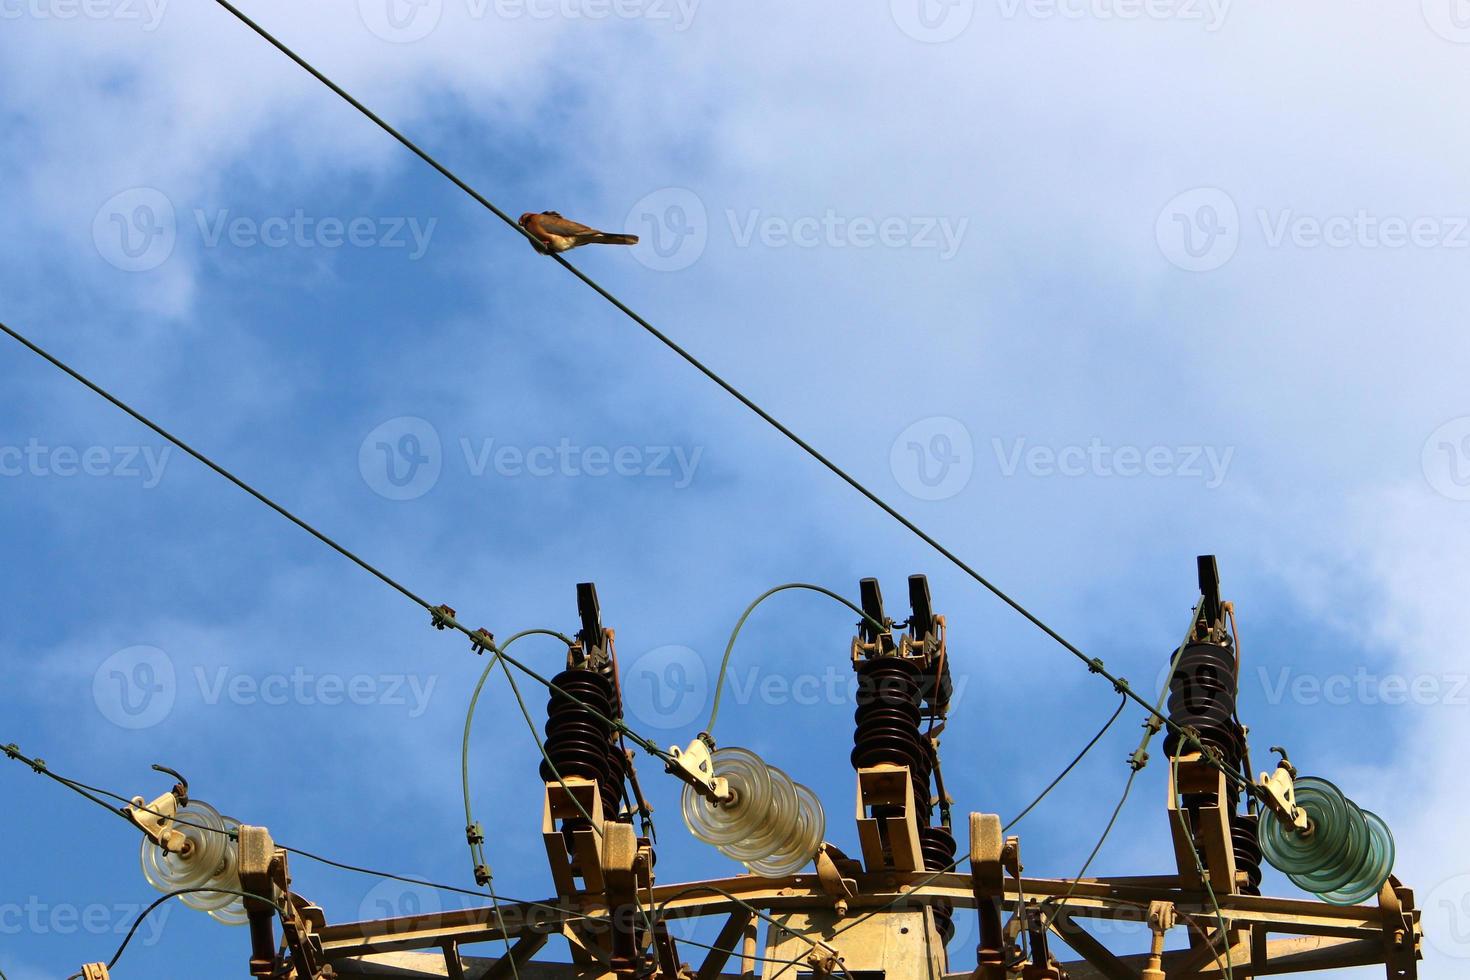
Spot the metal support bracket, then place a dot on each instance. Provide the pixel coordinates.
(695, 766)
(1278, 793)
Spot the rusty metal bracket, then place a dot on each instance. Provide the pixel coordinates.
(829, 875)
(1401, 931)
(1162, 917)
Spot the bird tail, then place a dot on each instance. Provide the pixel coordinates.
(604, 238)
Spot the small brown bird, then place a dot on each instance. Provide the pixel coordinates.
(552, 233)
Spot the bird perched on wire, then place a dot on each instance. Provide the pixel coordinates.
(551, 233)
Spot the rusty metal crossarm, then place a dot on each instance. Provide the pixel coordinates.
(1101, 898)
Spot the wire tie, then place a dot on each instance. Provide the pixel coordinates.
(443, 616)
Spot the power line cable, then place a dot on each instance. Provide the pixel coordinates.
(1123, 703)
(1093, 664)
(735, 634)
(1107, 831)
(442, 615)
(93, 793)
(138, 922)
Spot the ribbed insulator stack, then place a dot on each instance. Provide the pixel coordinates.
(888, 696)
(938, 846)
(580, 743)
(1202, 696)
(1243, 836)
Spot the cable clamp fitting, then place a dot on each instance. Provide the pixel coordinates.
(443, 616)
(695, 766)
(482, 875)
(475, 834)
(1096, 666)
(481, 640)
(11, 751)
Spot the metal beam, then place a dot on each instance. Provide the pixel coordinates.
(1103, 959)
(733, 932)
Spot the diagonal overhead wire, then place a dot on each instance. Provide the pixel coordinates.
(442, 616)
(1094, 664)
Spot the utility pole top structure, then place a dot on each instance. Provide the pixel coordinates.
(807, 911)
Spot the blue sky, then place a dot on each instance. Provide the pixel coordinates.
(1087, 289)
